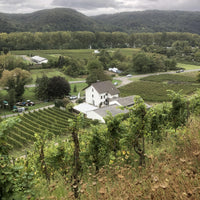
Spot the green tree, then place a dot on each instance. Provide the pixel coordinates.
(74, 127)
(11, 98)
(98, 150)
(96, 72)
(178, 110)
(138, 127)
(16, 79)
(197, 56)
(41, 141)
(75, 88)
(73, 68)
(58, 87)
(41, 87)
(114, 131)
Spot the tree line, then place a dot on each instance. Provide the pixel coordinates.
(87, 39)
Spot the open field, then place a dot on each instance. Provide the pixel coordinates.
(188, 66)
(155, 91)
(75, 53)
(170, 78)
(50, 73)
(51, 54)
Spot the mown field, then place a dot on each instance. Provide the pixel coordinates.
(154, 88)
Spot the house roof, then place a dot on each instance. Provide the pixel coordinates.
(126, 101)
(105, 87)
(84, 107)
(113, 109)
(38, 58)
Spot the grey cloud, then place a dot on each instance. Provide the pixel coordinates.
(10, 1)
(95, 7)
(87, 4)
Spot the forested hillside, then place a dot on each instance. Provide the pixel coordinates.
(46, 20)
(151, 21)
(64, 19)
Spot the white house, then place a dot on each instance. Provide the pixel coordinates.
(39, 60)
(100, 93)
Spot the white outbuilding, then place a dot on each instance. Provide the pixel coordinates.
(39, 60)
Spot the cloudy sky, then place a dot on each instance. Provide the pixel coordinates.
(96, 7)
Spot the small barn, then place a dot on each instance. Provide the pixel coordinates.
(39, 60)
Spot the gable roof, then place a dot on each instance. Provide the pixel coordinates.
(126, 101)
(113, 109)
(105, 87)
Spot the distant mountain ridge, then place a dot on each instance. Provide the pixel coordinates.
(65, 19)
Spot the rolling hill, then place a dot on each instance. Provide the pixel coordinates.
(65, 19)
(47, 20)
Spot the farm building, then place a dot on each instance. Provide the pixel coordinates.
(103, 98)
(101, 113)
(39, 60)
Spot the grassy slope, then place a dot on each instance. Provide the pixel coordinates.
(171, 172)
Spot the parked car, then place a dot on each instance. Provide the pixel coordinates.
(30, 103)
(20, 103)
(19, 109)
(179, 71)
(129, 75)
(5, 103)
(73, 97)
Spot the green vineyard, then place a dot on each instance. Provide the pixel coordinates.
(53, 120)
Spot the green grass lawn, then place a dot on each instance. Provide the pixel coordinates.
(79, 87)
(50, 73)
(188, 66)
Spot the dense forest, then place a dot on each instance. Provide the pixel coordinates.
(64, 19)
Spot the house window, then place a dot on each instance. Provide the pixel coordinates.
(92, 90)
(101, 97)
(92, 96)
